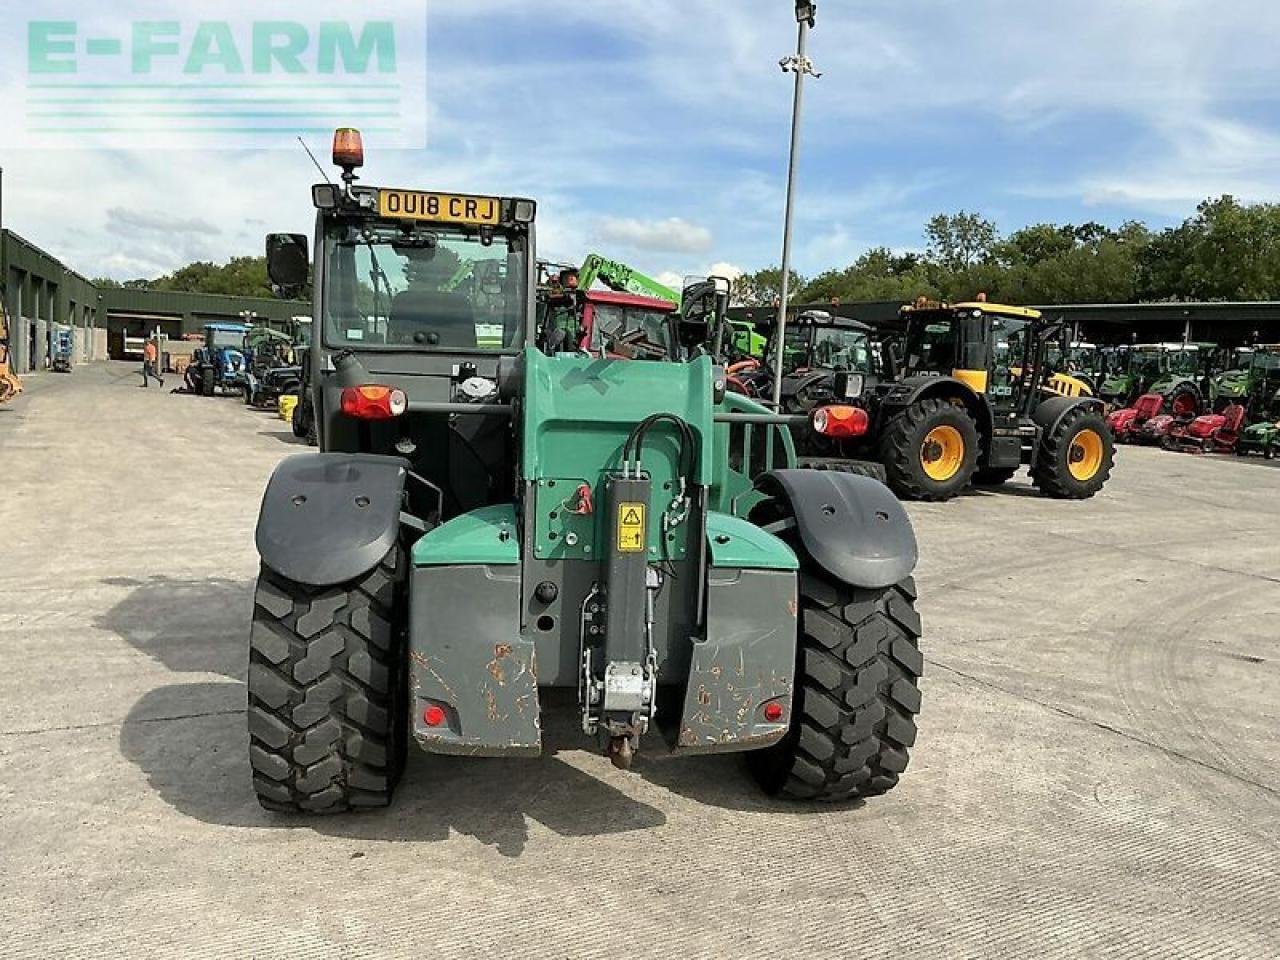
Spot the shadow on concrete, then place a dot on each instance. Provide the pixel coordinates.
(284, 436)
(1012, 488)
(190, 741)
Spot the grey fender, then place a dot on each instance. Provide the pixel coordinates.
(1049, 413)
(328, 518)
(851, 526)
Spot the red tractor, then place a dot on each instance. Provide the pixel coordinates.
(1210, 433)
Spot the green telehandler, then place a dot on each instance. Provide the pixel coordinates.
(485, 522)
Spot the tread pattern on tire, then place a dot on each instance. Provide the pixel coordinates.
(859, 468)
(856, 693)
(326, 726)
(1057, 482)
(901, 456)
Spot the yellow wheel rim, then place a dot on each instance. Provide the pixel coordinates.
(1084, 459)
(942, 453)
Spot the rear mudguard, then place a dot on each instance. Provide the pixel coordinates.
(853, 527)
(913, 389)
(328, 518)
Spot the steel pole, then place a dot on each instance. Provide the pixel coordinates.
(786, 222)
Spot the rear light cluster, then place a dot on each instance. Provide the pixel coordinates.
(373, 402)
(841, 422)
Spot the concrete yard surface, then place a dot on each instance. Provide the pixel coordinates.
(1096, 774)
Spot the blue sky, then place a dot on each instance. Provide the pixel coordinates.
(655, 130)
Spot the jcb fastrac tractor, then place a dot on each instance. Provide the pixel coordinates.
(483, 521)
(971, 399)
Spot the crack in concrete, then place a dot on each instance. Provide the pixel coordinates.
(120, 723)
(1101, 725)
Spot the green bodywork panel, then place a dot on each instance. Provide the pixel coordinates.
(1233, 384)
(746, 340)
(577, 414)
(738, 543)
(488, 536)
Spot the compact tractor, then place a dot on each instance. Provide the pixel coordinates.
(274, 364)
(969, 398)
(220, 364)
(484, 521)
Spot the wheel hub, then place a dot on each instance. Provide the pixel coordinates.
(1084, 456)
(942, 453)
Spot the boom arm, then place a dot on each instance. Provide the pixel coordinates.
(622, 279)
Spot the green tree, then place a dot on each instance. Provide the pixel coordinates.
(764, 288)
(959, 241)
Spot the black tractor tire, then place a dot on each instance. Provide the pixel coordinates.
(993, 476)
(1051, 471)
(206, 381)
(328, 715)
(296, 422)
(856, 694)
(859, 468)
(902, 448)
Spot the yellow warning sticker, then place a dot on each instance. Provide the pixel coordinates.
(631, 528)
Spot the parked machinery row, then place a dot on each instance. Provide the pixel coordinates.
(1229, 411)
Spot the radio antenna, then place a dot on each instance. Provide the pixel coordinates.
(315, 161)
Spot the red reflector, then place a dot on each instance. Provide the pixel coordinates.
(373, 402)
(773, 711)
(433, 716)
(348, 148)
(841, 421)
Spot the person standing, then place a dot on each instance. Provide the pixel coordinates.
(150, 357)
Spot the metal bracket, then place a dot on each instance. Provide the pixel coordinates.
(797, 64)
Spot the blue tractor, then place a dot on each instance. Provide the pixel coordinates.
(220, 364)
(61, 350)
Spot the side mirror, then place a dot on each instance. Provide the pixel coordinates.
(288, 263)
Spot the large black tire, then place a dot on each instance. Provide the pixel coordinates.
(856, 694)
(206, 381)
(328, 714)
(993, 476)
(903, 447)
(859, 468)
(296, 422)
(1060, 448)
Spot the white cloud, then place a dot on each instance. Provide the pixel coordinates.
(1175, 104)
(674, 234)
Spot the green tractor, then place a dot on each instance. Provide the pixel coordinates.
(484, 522)
(1252, 379)
(1167, 369)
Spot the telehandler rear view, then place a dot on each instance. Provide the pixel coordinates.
(483, 521)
